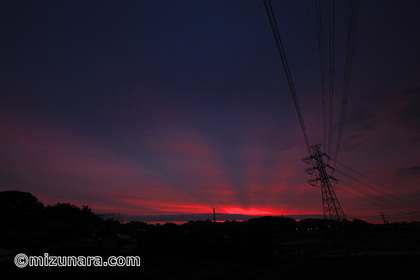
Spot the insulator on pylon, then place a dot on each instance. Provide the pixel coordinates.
(312, 182)
(334, 180)
(308, 160)
(327, 156)
(310, 171)
(329, 166)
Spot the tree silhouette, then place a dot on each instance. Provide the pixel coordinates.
(20, 210)
(71, 221)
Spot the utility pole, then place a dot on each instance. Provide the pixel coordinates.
(330, 205)
(214, 215)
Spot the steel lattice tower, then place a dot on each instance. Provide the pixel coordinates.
(330, 204)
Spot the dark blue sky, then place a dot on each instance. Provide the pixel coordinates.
(151, 107)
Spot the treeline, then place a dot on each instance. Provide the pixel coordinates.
(27, 224)
(22, 210)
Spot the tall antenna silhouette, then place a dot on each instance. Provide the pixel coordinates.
(214, 214)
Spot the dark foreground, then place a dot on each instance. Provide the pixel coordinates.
(262, 248)
(237, 250)
(292, 268)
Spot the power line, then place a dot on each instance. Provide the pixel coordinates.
(381, 187)
(397, 202)
(401, 208)
(331, 56)
(360, 197)
(276, 33)
(393, 203)
(351, 38)
(408, 215)
(396, 216)
(400, 212)
(321, 68)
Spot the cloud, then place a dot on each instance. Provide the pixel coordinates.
(409, 113)
(70, 167)
(410, 171)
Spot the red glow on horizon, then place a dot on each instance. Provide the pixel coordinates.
(249, 212)
(187, 176)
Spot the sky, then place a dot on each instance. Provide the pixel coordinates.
(179, 107)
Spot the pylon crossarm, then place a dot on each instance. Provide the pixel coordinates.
(312, 182)
(310, 171)
(308, 160)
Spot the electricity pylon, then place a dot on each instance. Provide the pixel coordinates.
(330, 204)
